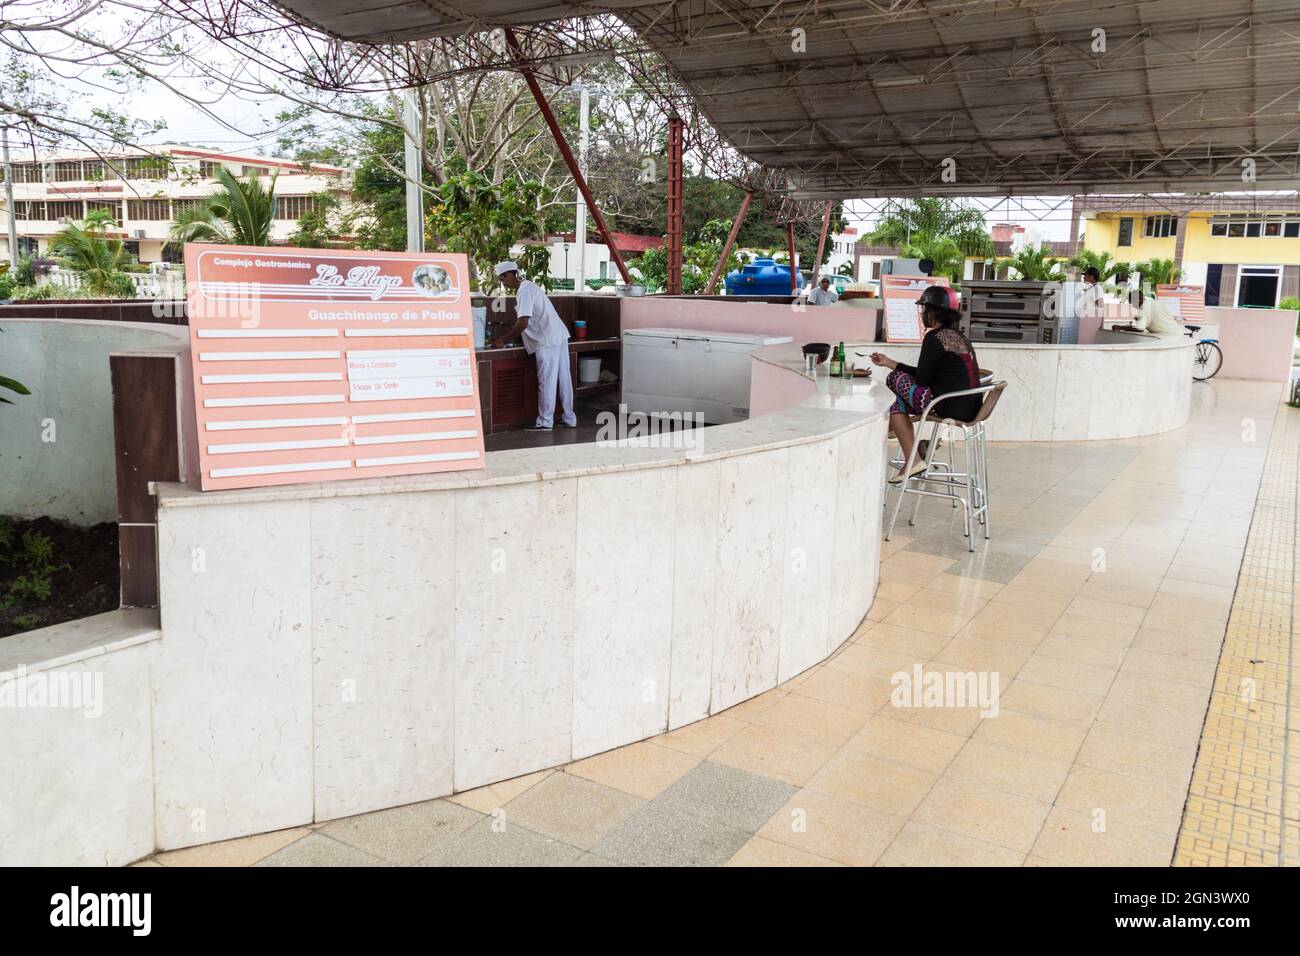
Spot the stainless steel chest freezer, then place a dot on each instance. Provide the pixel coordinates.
(685, 370)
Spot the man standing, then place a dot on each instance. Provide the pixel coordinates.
(1092, 300)
(822, 295)
(546, 338)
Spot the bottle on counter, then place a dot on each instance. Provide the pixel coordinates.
(837, 361)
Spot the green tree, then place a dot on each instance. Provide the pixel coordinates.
(101, 261)
(18, 388)
(1105, 264)
(922, 223)
(316, 227)
(1157, 272)
(1035, 264)
(239, 214)
(471, 214)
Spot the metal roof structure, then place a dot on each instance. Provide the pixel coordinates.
(862, 98)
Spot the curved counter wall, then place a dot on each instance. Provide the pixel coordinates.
(1054, 392)
(336, 648)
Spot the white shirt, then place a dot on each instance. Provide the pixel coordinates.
(818, 297)
(544, 325)
(1155, 318)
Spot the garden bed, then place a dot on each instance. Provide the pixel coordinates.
(51, 572)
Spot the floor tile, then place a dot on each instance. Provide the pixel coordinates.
(317, 849)
(994, 816)
(497, 842)
(728, 796)
(921, 845)
(861, 778)
(244, 851)
(762, 852)
(643, 769)
(403, 834)
(833, 828)
(661, 835)
(571, 809)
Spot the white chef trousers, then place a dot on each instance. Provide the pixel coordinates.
(553, 371)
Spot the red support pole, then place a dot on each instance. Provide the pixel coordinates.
(821, 245)
(675, 128)
(789, 236)
(558, 135)
(731, 241)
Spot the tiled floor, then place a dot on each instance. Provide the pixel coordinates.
(1100, 606)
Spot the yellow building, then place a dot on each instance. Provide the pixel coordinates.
(1244, 249)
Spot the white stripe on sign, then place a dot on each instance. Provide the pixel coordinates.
(412, 416)
(278, 469)
(276, 445)
(418, 436)
(282, 377)
(270, 400)
(267, 333)
(416, 459)
(381, 333)
(274, 423)
(263, 356)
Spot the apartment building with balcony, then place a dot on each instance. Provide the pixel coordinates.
(146, 190)
(1243, 248)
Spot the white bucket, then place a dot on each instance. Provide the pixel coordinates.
(480, 326)
(588, 369)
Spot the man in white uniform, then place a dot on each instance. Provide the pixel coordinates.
(1153, 317)
(546, 338)
(1092, 300)
(822, 295)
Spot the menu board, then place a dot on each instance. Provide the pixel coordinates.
(1185, 302)
(318, 365)
(900, 293)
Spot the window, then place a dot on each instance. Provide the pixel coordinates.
(145, 167)
(256, 171)
(93, 170)
(208, 168)
(147, 210)
(1236, 229)
(185, 205)
(66, 172)
(293, 207)
(29, 210)
(1160, 227)
(1273, 228)
(1125, 232)
(114, 206)
(1291, 230)
(1218, 228)
(27, 173)
(1253, 229)
(58, 211)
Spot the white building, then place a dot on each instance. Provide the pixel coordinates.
(145, 190)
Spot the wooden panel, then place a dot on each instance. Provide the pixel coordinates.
(510, 392)
(146, 443)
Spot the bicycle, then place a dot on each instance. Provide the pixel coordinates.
(1209, 357)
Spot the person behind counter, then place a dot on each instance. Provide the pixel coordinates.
(947, 364)
(1092, 300)
(1153, 316)
(822, 295)
(547, 339)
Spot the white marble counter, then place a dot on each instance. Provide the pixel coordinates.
(334, 648)
(1054, 392)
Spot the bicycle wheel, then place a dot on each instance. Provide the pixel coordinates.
(1207, 361)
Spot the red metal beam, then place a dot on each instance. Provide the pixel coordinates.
(563, 145)
(675, 127)
(731, 241)
(794, 271)
(821, 245)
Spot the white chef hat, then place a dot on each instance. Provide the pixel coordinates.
(501, 268)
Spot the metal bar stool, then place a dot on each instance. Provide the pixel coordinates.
(967, 488)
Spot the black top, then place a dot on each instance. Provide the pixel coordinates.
(948, 364)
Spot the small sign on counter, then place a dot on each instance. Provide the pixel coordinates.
(900, 294)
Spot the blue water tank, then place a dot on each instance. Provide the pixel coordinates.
(762, 277)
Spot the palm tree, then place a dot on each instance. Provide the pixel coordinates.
(1158, 272)
(84, 249)
(1105, 264)
(240, 214)
(920, 221)
(1035, 264)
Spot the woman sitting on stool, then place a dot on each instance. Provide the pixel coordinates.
(947, 364)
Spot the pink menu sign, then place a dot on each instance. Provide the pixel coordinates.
(319, 365)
